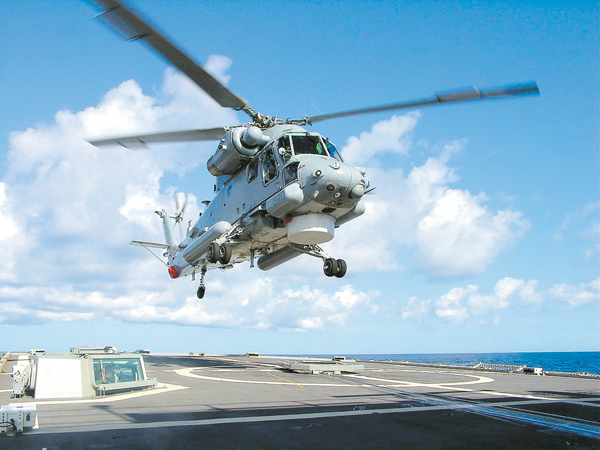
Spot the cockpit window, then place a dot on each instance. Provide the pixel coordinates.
(269, 167)
(252, 170)
(285, 148)
(308, 145)
(284, 142)
(333, 151)
(290, 173)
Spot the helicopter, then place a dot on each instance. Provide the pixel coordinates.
(280, 190)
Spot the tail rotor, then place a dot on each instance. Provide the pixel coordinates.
(181, 201)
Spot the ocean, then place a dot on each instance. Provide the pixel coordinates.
(549, 361)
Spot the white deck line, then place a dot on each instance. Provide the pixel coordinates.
(487, 409)
(187, 372)
(159, 389)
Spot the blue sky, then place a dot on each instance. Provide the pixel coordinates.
(482, 236)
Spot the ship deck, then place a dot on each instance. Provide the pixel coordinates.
(252, 402)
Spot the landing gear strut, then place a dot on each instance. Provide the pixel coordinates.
(201, 288)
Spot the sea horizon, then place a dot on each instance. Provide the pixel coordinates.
(580, 361)
(561, 361)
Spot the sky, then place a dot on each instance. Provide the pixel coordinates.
(482, 235)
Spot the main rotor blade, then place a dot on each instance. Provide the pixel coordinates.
(461, 95)
(140, 141)
(133, 28)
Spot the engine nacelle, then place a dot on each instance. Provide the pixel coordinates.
(236, 148)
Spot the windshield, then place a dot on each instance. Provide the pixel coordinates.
(308, 145)
(333, 151)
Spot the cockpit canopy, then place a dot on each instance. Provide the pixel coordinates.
(280, 152)
(308, 144)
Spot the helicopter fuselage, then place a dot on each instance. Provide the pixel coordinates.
(291, 193)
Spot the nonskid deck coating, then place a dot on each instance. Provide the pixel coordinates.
(210, 399)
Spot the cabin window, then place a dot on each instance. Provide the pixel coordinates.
(252, 170)
(269, 166)
(290, 173)
(118, 370)
(308, 145)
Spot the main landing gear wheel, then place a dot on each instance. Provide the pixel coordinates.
(335, 267)
(212, 254)
(342, 267)
(218, 253)
(200, 292)
(330, 267)
(224, 254)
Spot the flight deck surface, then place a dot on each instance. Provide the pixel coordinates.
(249, 402)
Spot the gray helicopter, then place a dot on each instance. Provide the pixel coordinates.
(280, 189)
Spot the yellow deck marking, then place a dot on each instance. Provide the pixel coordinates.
(281, 378)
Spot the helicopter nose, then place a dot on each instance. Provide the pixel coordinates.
(332, 184)
(357, 191)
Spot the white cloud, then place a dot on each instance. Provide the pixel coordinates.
(217, 66)
(449, 307)
(460, 304)
(416, 310)
(460, 236)
(500, 299)
(579, 295)
(392, 135)
(8, 226)
(450, 232)
(529, 293)
(259, 303)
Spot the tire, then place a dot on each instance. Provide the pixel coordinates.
(330, 267)
(212, 254)
(225, 254)
(342, 267)
(200, 292)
